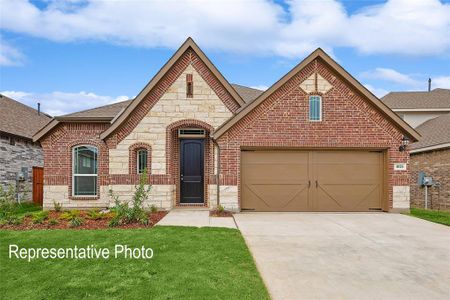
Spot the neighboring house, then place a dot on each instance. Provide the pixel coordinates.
(418, 107)
(431, 155)
(316, 140)
(18, 153)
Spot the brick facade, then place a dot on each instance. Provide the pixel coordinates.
(154, 126)
(437, 165)
(17, 153)
(281, 121)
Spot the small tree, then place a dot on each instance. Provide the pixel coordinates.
(127, 212)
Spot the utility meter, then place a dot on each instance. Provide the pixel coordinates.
(428, 181)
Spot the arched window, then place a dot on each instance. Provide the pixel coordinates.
(85, 171)
(141, 162)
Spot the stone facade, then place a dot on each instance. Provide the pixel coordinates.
(437, 165)
(173, 106)
(153, 126)
(16, 154)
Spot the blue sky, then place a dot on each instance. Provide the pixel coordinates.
(77, 54)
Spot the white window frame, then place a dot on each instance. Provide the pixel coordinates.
(320, 108)
(84, 175)
(138, 158)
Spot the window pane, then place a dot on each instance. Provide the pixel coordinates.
(85, 185)
(85, 160)
(314, 108)
(142, 160)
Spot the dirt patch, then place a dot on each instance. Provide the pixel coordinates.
(88, 223)
(217, 213)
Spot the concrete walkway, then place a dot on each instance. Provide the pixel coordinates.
(349, 256)
(195, 218)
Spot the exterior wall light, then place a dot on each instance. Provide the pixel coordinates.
(405, 142)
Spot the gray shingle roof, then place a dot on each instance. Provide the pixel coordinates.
(434, 132)
(437, 98)
(110, 111)
(247, 93)
(106, 111)
(18, 119)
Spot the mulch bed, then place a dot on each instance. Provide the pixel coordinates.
(87, 223)
(224, 213)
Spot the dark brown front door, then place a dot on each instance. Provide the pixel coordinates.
(191, 171)
(38, 185)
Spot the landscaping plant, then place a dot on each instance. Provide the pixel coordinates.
(131, 212)
(57, 206)
(39, 217)
(8, 202)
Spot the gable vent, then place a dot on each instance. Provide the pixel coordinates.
(192, 133)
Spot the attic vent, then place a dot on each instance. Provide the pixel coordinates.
(195, 133)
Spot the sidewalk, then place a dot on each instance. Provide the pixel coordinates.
(195, 218)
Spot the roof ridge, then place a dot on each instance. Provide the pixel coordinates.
(97, 107)
(24, 105)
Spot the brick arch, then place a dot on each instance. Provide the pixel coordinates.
(132, 157)
(173, 155)
(101, 168)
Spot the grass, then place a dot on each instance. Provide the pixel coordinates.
(188, 263)
(26, 207)
(441, 217)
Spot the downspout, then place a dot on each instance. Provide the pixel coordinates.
(218, 172)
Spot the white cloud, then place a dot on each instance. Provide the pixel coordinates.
(391, 75)
(441, 82)
(414, 27)
(10, 55)
(260, 87)
(379, 92)
(59, 103)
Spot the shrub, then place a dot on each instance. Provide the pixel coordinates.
(131, 212)
(53, 222)
(153, 209)
(220, 209)
(12, 220)
(69, 215)
(75, 222)
(39, 217)
(57, 206)
(94, 214)
(8, 204)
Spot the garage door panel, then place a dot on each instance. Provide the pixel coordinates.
(334, 180)
(274, 180)
(275, 197)
(341, 197)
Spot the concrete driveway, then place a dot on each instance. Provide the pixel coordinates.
(349, 256)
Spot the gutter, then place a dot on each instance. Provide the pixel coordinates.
(218, 171)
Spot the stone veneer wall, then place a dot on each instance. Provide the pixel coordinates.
(153, 124)
(13, 158)
(437, 165)
(173, 106)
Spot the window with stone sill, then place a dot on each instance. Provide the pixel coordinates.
(84, 171)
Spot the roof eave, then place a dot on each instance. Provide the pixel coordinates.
(430, 148)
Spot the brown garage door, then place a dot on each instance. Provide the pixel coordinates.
(311, 180)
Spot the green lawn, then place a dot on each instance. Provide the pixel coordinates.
(441, 217)
(188, 263)
(26, 207)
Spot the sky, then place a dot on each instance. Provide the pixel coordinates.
(71, 55)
